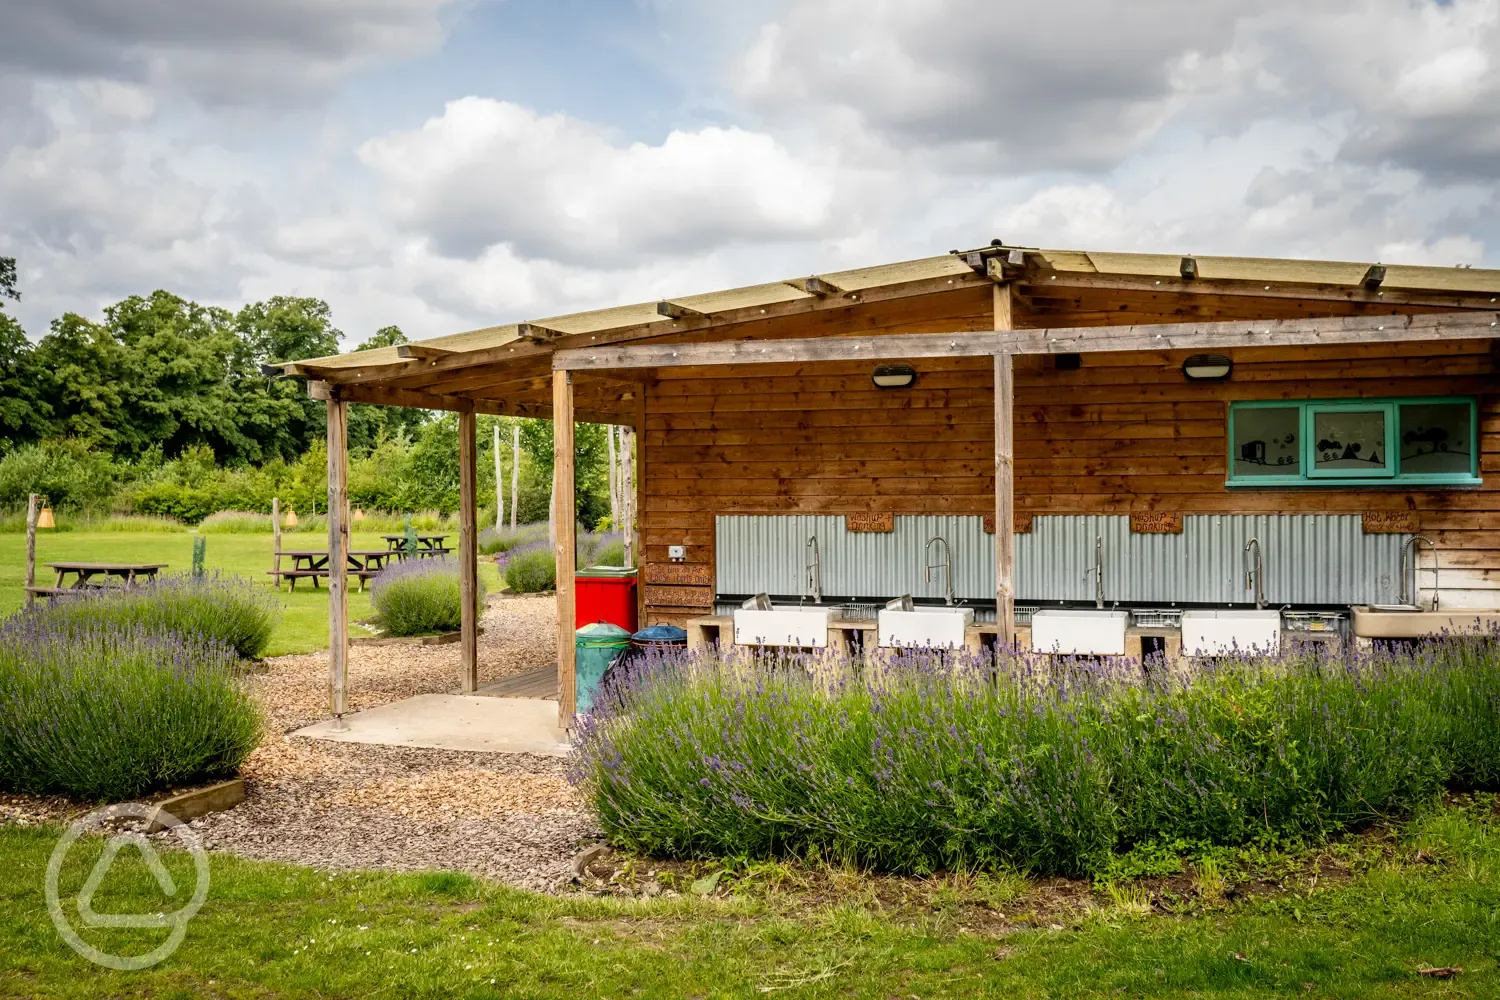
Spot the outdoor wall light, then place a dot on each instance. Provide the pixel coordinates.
(893, 376)
(1207, 367)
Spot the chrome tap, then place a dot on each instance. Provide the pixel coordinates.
(946, 565)
(815, 570)
(1257, 570)
(1411, 546)
(1097, 572)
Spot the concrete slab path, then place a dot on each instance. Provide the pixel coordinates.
(454, 722)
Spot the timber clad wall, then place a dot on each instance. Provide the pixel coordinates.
(1123, 433)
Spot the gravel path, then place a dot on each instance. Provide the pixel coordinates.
(344, 805)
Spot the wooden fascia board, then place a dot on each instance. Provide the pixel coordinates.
(1053, 340)
(517, 350)
(384, 396)
(1253, 333)
(1042, 281)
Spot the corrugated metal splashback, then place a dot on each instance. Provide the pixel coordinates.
(1308, 558)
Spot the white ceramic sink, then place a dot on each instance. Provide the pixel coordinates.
(783, 625)
(1079, 632)
(924, 628)
(1221, 632)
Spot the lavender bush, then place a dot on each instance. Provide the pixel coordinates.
(419, 597)
(228, 609)
(531, 568)
(935, 761)
(498, 540)
(109, 713)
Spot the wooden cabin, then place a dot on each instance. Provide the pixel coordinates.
(1127, 421)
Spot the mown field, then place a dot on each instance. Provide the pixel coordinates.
(1425, 897)
(304, 623)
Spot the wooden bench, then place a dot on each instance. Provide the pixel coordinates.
(293, 575)
(50, 592)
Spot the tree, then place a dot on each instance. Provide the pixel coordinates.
(24, 413)
(278, 413)
(8, 279)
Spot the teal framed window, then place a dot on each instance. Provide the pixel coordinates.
(1354, 442)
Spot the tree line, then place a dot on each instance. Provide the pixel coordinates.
(161, 406)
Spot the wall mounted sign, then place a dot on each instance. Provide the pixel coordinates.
(679, 597)
(1392, 522)
(680, 574)
(1156, 523)
(870, 523)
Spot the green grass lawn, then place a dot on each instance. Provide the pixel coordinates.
(1431, 899)
(304, 622)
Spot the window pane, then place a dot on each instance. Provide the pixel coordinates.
(1266, 441)
(1436, 438)
(1349, 441)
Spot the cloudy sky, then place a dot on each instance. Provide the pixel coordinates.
(446, 164)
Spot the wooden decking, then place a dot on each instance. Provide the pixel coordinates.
(533, 684)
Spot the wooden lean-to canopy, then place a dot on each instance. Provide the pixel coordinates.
(506, 369)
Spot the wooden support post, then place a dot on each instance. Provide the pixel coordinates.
(564, 518)
(276, 541)
(338, 558)
(31, 515)
(1005, 451)
(638, 500)
(468, 552)
(627, 492)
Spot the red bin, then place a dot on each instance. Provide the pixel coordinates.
(605, 594)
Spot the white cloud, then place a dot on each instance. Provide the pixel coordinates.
(488, 173)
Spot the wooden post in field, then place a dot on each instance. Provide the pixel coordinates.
(499, 482)
(564, 518)
(338, 559)
(468, 551)
(1005, 450)
(276, 541)
(614, 476)
(31, 515)
(515, 473)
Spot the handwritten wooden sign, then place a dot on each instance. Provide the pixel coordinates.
(679, 597)
(1156, 523)
(680, 574)
(1392, 522)
(1021, 524)
(870, 523)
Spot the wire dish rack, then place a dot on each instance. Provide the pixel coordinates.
(1156, 618)
(857, 612)
(1312, 621)
(1024, 613)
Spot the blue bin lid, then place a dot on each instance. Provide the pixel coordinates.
(669, 634)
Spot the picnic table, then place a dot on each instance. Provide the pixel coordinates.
(95, 576)
(312, 564)
(428, 546)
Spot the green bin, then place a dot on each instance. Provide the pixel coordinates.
(598, 646)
